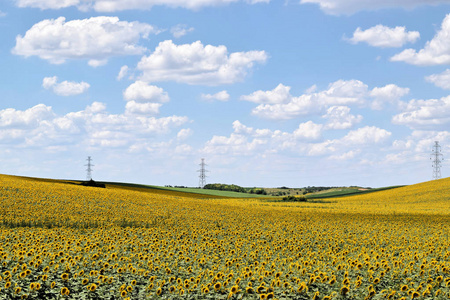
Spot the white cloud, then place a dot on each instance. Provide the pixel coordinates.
(366, 135)
(339, 117)
(180, 30)
(197, 64)
(441, 80)
(143, 92)
(39, 126)
(308, 130)
(118, 5)
(280, 94)
(97, 62)
(32, 117)
(435, 52)
(133, 107)
(389, 93)
(65, 88)
(306, 140)
(143, 98)
(344, 156)
(383, 36)
(184, 134)
(47, 4)
(432, 114)
(220, 96)
(95, 39)
(2, 14)
(279, 104)
(122, 73)
(338, 7)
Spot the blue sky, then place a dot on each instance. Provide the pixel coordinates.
(270, 93)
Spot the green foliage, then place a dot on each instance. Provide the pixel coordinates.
(225, 187)
(258, 191)
(294, 198)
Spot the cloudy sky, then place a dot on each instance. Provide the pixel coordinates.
(269, 92)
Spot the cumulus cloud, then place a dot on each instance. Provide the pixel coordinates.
(280, 94)
(338, 7)
(122, 73)
(197, 64)
(143, 98)
(384, 37)
(65, 88)
(366, 135)
(47, 4)
(184, 133)
(118, 5)
(93, 126)
(141, 91)
(279, 104)
(432, 114)
(441, 80)
(389, 93)
(95, 39)
(305, 140)
(435, 52)
(180, 30)
(220, 96)
(339, 117)
(308, 130)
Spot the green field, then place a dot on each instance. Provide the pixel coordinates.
(213, 193)
(347, 192)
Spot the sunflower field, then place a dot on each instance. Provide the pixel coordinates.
(64, 241)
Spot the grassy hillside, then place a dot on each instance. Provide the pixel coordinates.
(347, 192)
(197, 191)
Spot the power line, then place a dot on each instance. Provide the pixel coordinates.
(202, 176)
(89, 169)
(436, 157)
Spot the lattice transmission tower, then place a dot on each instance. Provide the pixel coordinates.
(89, 168)
(202, 176)
(436, 157)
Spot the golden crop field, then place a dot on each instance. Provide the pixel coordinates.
(62, 241)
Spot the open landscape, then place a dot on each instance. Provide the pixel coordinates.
(65, 241)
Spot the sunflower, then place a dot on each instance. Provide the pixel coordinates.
(249, 290)
(65, 291)
(65, 276)
(316, 296)
(123, 294)
(92, 287)
(217, 286)
(159, 291)
(344, 290)
(133, 282)
(234, 289)
(129, 288)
